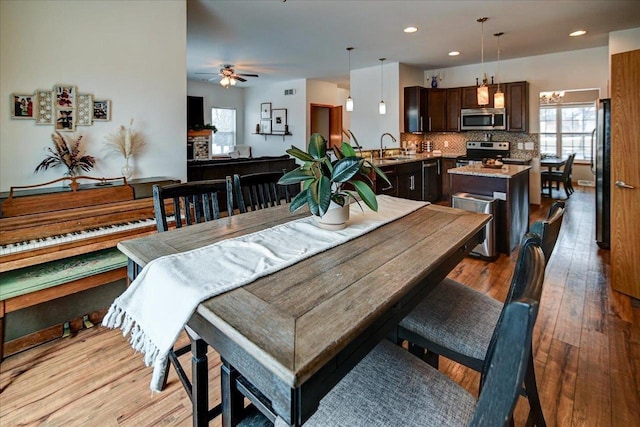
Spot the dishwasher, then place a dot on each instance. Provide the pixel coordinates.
(483, 204)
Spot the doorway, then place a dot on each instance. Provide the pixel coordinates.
(327, 121)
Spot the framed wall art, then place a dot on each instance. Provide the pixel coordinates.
(265, 126)
(22, 106)
(101, 110)
(65, 119)
(279, 120)
(265, 110)
(85, 110)
(65, 96)
(44, 107)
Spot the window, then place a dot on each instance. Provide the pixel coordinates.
(567, 127)
(224, 119)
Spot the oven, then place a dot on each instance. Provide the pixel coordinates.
(478, 150)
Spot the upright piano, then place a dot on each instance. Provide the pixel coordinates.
(64, 230)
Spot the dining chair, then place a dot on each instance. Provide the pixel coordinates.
(549, 229)
(391, 387)
(259, 191)
(561, 177)
(191, 203)
(458, 322)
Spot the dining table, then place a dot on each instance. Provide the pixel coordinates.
(551, 163)
(286, 339)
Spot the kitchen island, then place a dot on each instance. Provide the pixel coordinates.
(510, 186)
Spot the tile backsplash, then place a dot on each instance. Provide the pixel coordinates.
(455, 142)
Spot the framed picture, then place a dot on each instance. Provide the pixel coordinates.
(65, 119)
(65, 96)
(85, 110)
(44, 107)
(265, 110)
(101, 110)
(278, 120)
(265, 126)
(22, 106)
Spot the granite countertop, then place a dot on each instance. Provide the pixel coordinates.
(507, 171)
(401, 158)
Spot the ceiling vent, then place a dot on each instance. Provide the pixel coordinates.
(289, 92)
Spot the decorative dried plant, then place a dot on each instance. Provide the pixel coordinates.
(67, 154)
(126, 141)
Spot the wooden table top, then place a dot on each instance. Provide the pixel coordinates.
(296, 320)
(552, 162)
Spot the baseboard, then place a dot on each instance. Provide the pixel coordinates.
(586, 183)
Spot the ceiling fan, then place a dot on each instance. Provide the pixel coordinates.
(228, 76)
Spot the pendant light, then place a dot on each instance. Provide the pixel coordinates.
(349, 99)
(382, 108)
(483, 90)
(498, 97)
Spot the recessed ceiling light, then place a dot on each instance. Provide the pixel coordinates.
(410, 30)
(578, 33)
(454, 53)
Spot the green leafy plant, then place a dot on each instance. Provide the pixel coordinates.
(67, 154)
(208, 126)
(324, 181)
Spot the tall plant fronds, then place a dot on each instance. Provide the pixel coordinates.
(125, 141)
(66, 153)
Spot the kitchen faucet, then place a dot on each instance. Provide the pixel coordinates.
(381, 147)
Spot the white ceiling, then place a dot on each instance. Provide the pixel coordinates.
(295, 39)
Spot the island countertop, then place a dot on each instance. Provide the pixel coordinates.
(507, 171)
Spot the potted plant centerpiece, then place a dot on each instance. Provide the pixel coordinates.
(324, 181)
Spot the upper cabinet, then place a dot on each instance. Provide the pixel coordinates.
(425, 110)
(516, 98)
(454, 104)
(470, 96)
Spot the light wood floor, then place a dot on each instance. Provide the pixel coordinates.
(587, 352)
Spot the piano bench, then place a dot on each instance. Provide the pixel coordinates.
(38, 284)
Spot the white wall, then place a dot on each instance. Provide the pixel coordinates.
(112, 49)
(297, 115)
(216, 96)
(624, 41)
(366, 124)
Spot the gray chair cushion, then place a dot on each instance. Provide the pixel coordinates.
(456, 317)
(391, 387)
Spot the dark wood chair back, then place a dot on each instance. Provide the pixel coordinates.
(192, 202)
(259, 191)
(568, 168)
(527, 281)
(507, 365)
(549, 229)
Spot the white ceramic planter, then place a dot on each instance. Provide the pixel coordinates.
(335, 218)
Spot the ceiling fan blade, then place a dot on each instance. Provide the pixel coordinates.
(240, 79)
(248, 75)
(204, 73)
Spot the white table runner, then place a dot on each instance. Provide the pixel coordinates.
(160, 301)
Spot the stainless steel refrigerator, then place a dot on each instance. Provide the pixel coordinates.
(602, 165)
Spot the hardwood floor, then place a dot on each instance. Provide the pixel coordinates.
(587, 352)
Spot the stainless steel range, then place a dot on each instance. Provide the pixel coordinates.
(478, 150)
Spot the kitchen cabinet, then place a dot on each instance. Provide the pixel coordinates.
(445, 165)
(470, 96)
(454, 105)
(409, 179)
(517, 102)
(431, 181)
(382, 187)
(425, 110)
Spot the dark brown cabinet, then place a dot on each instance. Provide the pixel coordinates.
(454, 105)
(382, 187)
(409, 178)
(470, 96)
(425, 110)
(445, 165)
(516, 98)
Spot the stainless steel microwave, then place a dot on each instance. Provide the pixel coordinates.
(483, 119)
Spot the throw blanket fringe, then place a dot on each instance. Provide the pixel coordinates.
(158, 304)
